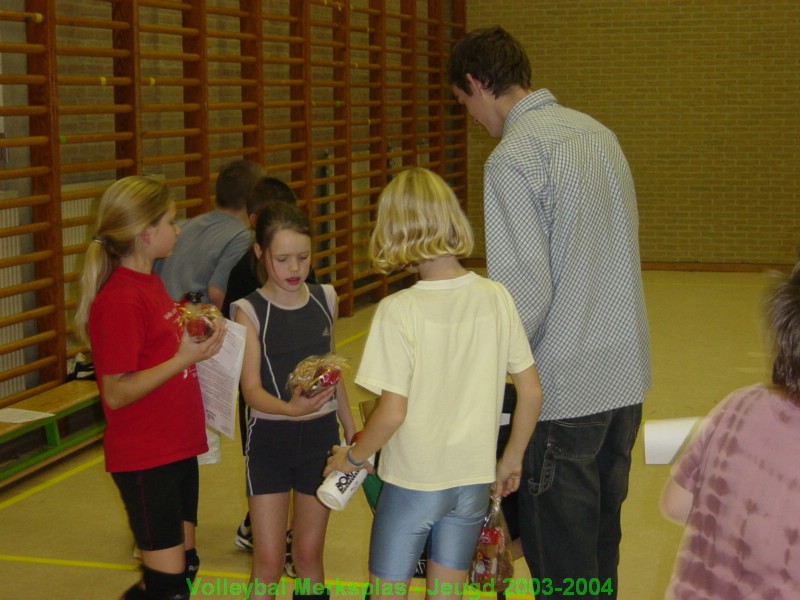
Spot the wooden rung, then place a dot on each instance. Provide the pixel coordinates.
(167, 4)
(153, 134)
(20, 173)
(24, 229)
(92, 23)
(232, 105)
(83, 193)
(232, 82)
(169, 30)
(16, 142)
(100, 80)
(22, 48)
(30, 367)
(176, 81)
(28, 315)
(176, 56)
(22, 79)
(78, 221)
(94, 109)
(230, 35)
(21, 17)
(28, 286)
(22, 111)
(26, 259)
(92, 52)
(91, 138)
(158, 108)
(24, 201)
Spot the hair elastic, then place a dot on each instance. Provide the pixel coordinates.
(99, 240)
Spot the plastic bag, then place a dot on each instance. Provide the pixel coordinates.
(213, 455)
(198, 318)
(316, 373)
(493, 563)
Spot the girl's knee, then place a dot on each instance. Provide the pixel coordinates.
(307, 562)
(268, 568)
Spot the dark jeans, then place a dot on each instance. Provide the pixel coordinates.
(574, 480)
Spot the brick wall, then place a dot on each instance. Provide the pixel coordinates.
(704, 96)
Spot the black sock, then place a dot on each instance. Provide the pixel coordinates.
(324, 596)
(192, 564)
(247, 519)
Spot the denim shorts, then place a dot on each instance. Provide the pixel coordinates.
(404, 519)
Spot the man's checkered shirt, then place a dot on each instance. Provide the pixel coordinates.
(562, 235)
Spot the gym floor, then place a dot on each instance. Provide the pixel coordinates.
(65, 535)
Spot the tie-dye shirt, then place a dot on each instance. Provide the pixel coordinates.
(742, 539)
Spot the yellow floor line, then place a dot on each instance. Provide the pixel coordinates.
(67, 563)
(51, 482)
(352, 338)
(206, 577)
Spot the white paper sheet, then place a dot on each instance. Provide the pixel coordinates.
(20, 415)
(219, 380)
(663, 438)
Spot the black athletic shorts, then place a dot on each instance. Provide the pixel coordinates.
(158, 501)
(288, 455)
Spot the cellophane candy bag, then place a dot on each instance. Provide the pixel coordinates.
(198, 317)
(316, 373)
(493, 561)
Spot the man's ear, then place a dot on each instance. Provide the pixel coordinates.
(475, 86)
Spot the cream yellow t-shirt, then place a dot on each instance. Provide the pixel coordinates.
(447, 346)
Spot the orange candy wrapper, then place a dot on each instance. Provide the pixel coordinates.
(197, 317)
(493, 563)
(316, 373)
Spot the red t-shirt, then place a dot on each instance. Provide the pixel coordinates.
(134, 325)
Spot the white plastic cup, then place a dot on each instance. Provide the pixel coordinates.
(337, 489)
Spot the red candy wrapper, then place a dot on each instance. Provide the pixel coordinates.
(198, 317)
(316, 373)
(492, 563)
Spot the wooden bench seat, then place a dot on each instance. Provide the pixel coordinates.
(76, 420)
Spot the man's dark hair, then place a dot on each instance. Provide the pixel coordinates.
(269, 189)
(784, 320)
(493, 57)
(235, 182)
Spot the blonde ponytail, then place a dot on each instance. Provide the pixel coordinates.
(127, 207)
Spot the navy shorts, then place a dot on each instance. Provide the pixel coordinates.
(288, 455)
(158, 501)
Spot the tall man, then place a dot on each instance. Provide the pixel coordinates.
(562, 235)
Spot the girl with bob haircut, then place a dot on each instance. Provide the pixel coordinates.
(144, 361)
(736, 488)
(437, 354)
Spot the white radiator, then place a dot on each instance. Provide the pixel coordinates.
(11, 246)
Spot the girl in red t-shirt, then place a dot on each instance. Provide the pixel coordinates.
(144, 362)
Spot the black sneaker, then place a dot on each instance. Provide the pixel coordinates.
(288, 566)
(244, 537)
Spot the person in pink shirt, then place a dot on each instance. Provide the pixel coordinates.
(737, 486)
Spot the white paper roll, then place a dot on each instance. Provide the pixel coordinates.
(664, 437)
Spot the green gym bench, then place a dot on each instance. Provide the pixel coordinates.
(76, 420)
